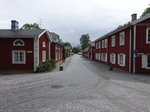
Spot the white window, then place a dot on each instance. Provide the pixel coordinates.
(148, 35)
(122, 38)
(102, 57)
(112, 58)
(18, 57)
(121, 59)
(146, 61)
(99, 44)
(113, 41)
(43, 44)
(105, 43)
(18, 42)
(99, 56)
(43, 55)
(105, 57)
(56, 55)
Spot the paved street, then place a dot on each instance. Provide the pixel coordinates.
(83, 86)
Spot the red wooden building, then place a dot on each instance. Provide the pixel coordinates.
(24, 49)
(127, 47)
(56, 48)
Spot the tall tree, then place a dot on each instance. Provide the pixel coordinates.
(146, 11)
(76, 50)
(84, 41)
(67, 44)
(31, 26)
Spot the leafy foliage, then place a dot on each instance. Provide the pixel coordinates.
(46, 66)
(84, 41)
(31, 26)
(67, 44)
(76, 50)
(64, 53)
(146, 11)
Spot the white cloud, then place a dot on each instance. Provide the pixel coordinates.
(71, 18)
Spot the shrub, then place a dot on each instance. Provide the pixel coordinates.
(46, 66)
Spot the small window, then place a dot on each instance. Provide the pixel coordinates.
(105, 57)
(121, 59)
(99, 44)
(43, 56)
(112, 58)
(148, 35)
(105, 43)
(122, 38)
(113, 41)
(18, 42)
(18, 57)
(44, 44)
(99, 56)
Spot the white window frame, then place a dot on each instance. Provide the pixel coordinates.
(19, 62)
(147, 35)
(122, 36)
(99, 56)
(123, 61)
(14, 43)
(113, 58)
(103, 43)
(99, 44)
(44, 44)
(113, 40)
(145, 62)
(43, 55)
(105, 57)
(106, 43)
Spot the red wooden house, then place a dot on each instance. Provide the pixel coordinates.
(23, 49)
(56, 48)
(127, 47)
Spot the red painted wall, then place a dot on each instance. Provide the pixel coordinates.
(121, 49)
(117, 49)
(141, 45)
(42, 39)
(54, 51)
(6, 47)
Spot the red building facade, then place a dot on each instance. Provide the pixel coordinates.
(127, 47)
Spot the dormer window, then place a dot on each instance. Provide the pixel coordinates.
(18, 42)
(44, 44)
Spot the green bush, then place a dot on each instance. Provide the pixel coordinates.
(46, 66)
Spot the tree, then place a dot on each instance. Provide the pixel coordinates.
(76, 50)
(67, 44)
(64, 53)
(84, 41)
(146, 11)
(31, 26)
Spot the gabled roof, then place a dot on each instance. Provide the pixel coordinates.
(21, 33)
(124, 26)
(55, 38)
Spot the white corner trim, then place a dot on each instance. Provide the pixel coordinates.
(134, 48)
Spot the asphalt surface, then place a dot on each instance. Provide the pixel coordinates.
(83, 86)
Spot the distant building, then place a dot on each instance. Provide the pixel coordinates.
(56, 48)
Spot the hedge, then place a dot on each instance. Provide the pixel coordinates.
(46, 66)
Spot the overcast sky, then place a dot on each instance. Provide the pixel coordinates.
(71, 18)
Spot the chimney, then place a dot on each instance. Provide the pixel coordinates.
(14, 25)
(133, 17)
